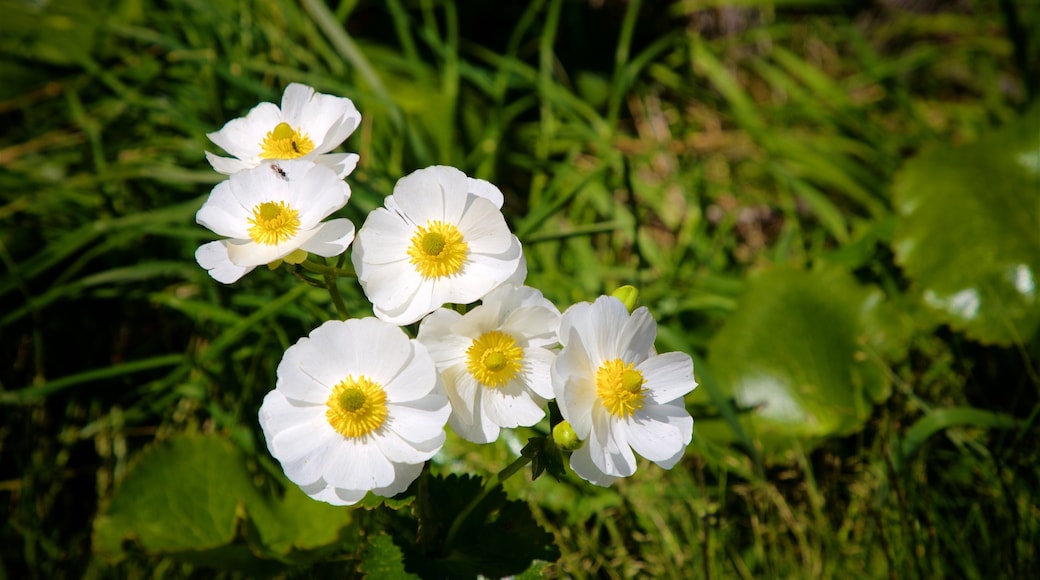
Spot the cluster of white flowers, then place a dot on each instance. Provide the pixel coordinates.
(359, 406)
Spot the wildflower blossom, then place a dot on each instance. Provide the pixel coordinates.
(440, 238)
(495, 360)
(273, 212)
(307, 126)
(356, 409)
(617, 393)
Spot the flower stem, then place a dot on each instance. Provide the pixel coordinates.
(495, 481)
(329, 274)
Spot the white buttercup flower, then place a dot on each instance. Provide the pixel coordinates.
(440, 239)
(307, 126)
(356, 409)
(269, 212)
(617, 393)
(495, 360)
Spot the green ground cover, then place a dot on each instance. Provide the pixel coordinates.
(833, 207)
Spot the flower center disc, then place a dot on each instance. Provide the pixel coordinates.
(273, 223)
(494, 359)
(437, 250)
(356, 407)
(284, 142)
(620, 387)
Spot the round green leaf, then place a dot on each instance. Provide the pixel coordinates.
(194, 497)
(799, 356)
(968, 232)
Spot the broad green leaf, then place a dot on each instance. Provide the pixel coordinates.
(193, 496)
(968, 233)
(382, 559)
(496, 537)
(800, 356)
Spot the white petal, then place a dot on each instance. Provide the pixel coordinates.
(581, 463)
(668, 376)
(332, 238)
(391, 287)
(397, 450)
(307, 372)
(366, 347)
(322, 491)
(486, 190)
(608, 447)
(343, 164)
(438, 335)
(224, 214)
(384, 238)
(420, 304)
(358, 465)
(537, 371)
(658, 432)
(574, 385)
(242, 137)
(420, 196)
(404, 475)
(420, 420)
(316, 193)
(214, 258)
(415, 379)
(468, 418)
(329, 120)
(227, 165)
(602, 331)
(484, 229)
(296, 438)
(537, 324)
(513, 407)
(464, 394)
(296, 100)
(250, 253)
(636, 339)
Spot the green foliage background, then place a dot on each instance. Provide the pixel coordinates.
(834, 207)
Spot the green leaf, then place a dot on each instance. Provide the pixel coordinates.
(498, 538)
(799, 356)
(942, 419)
(968, 233)
(382, 559)
(193, 497)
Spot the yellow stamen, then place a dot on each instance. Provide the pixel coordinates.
(356, 407)
(494, 359)
(284, 142)
(438, 250)
(620, 387)
(273, 223)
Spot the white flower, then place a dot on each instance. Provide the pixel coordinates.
(495, 360)
(270, 212)
(356, 409)
(619, 395)
(307, 126)
(441, 238)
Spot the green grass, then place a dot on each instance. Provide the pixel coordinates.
(682, 151)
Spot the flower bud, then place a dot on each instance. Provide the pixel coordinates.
(565, 437)
(628, 295)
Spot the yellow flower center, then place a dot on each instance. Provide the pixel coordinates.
(273, 223)
(438, 250)
(619, 387)
(284, 142)
(356, 407)
(494, 359)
